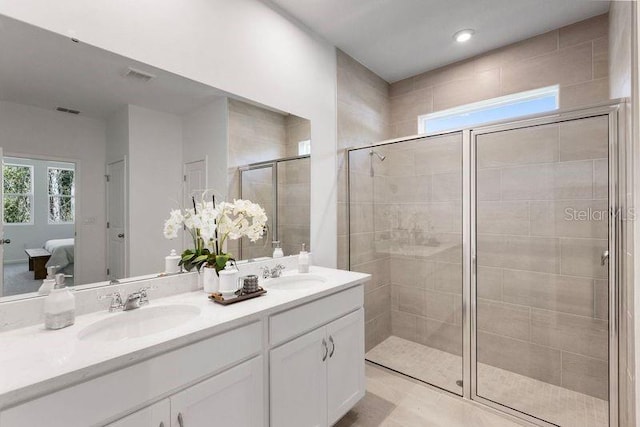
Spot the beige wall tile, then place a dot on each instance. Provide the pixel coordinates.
(448, 277)
(567, 66)
(377, 302)
(570, 218)
(531, 182)
(576, 334)
(489, 184)
(404, 325)
(410, 105)
(411, 272)
(447, 186)
(518, 147)
(443, 307)
(601, 294)
(480, 85)
(581, 257)
(573, 180)
(573, 295)
(589, 29)
(601, 179)
(440, 335)
(489, 283)
(518, 252)
(585, 375)
(404, 128)
(438, 154)
(458, 71)
(584, 139)
(504, 319)
(583, 94)
(496, 217)
(534, 46)
(361, 218)
(601, 57)
(535, 361)
(410, 300)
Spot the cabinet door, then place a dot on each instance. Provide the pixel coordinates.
(298, 382)
(233, 398)
(156, 415)
(345, 370)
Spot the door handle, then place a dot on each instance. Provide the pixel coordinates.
(180, 420)
(326, 349)
(604, 257)
(5, 241)
(121, 235)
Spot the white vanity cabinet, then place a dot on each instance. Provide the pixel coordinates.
(156, 415)
(316, 378)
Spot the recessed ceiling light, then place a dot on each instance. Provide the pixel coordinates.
(463, 35)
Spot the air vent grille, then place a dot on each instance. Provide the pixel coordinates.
(142, 76)
(67, 110)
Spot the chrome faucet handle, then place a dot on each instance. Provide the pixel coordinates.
(144, 297)
(277, 270)
(116, 301)
(266, 272)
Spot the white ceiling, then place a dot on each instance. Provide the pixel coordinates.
(47, 70)
(401, 38)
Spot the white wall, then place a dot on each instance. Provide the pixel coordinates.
(34, 235)
(240, 46)
(205, 136)
(34, 132)
(155, 185)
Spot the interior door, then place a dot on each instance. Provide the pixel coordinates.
(345, 385)
(232, 398)
(195, 184)
(298, 382)
(116, 238)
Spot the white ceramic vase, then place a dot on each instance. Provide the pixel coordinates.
(210, 280)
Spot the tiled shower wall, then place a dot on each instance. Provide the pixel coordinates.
(575, 57)
(542, 216)
(363, 119)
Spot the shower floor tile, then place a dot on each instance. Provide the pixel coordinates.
(558, 405)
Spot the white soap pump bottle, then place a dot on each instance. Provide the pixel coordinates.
(59, 306)
(303, 260)
(171, 262)
(50, 282)
(277, 250)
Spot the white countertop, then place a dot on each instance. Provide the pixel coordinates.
(35, 361)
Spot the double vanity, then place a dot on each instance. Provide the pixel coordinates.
(292, 357)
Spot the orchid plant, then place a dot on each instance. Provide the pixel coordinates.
(210, 225)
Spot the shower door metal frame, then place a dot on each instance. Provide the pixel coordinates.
(273, 164)
(615, 119)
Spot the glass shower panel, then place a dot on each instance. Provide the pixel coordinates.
(406, 230)
(541, 286)
(257, 185)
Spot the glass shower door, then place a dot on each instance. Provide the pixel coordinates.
(257, 184)
(541, 290)
(405, 213)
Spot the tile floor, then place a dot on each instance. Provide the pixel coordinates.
(395, 401)
(556, 404)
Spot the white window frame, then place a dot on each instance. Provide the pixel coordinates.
(491, 103)
(30, 195)
(49, 196)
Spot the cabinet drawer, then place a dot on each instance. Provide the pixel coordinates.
(103, 399)
(298, 320)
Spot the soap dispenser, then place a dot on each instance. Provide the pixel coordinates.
(303, 260)
(50, 282)
(171, 262)
(59, 306)
(277, 249)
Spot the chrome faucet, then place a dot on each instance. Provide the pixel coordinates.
(136, 299)
(272, 273)
(116, 301)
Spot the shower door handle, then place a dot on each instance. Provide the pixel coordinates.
(604, 258)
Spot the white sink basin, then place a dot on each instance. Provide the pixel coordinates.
(140, 322)
(294, 282)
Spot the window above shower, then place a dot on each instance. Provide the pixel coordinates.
(491, 110)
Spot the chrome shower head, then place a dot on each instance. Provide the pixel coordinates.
(378, 155)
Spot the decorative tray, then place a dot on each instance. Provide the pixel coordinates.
(217, 297)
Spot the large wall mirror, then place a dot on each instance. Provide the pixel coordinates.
(98, 148)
